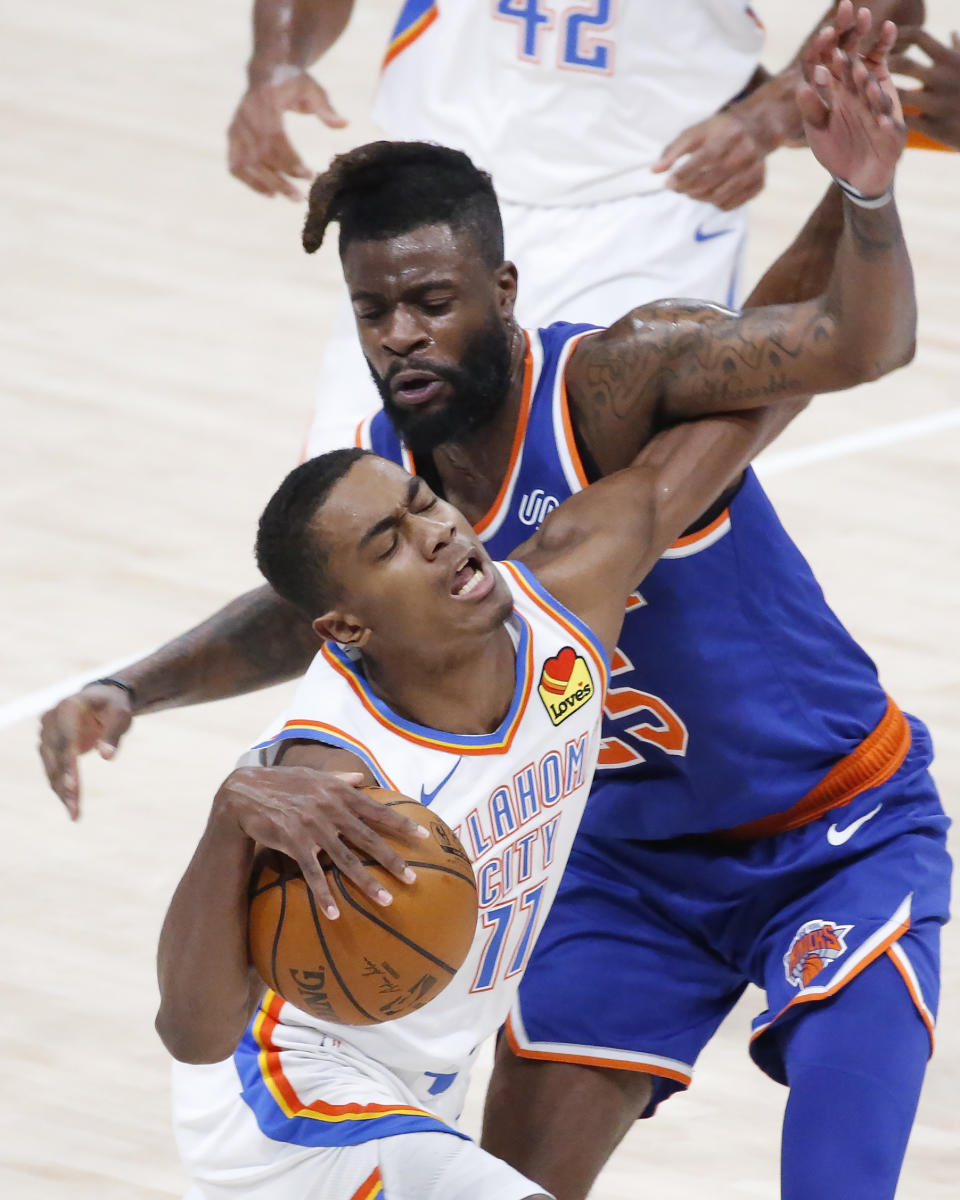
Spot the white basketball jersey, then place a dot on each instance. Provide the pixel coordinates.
(514, 797)
(564, 103)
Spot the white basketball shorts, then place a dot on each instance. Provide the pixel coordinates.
(219, 1120)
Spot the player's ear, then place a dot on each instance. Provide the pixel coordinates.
(336, 626)
(505, 282)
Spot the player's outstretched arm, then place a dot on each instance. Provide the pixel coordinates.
(255, 641)
(592, 551)
(288, 36)
(674, 361)
(309, 805)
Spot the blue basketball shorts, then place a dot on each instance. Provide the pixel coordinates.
(649, 945)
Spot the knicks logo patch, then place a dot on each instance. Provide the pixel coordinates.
(565, 684)
(815, 945)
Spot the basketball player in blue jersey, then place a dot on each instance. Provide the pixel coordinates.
(750, 751)
(623, 146)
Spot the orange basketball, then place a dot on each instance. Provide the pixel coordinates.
(372, 964)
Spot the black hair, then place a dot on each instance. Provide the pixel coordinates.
(383, 189)
(289, 553)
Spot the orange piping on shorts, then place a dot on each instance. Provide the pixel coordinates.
(617, 1064)
(813, 996)
(893, 953)
(878, 757)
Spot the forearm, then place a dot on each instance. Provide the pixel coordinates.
(870, 300)
(255, 641)
(207, 993)
(769, 111)
(293, 33)
(804, 269)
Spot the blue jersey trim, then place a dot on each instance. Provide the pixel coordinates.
(298, 733)
(304, 1131)
(411, 12)
(553, 603)
(438, 737)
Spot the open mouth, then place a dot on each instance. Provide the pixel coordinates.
(415, 387)
(470, 579)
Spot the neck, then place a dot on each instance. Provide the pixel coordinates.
(455, 689)
(471, 471)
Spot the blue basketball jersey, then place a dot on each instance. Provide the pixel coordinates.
(735, 691)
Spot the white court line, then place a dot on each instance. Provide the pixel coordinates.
(36, 702)
(770, 464)
(854, 443)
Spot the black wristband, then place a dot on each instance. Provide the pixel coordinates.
(112, 682)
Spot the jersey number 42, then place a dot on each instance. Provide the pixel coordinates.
(578, 48)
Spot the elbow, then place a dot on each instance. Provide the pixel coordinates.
(190, 1045)
(860, 368)
(908, 353)
(896, 356)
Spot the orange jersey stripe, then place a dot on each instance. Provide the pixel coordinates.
(372, 1186)
(878, 757)
(409, 36)
(285, 1094)
(518, 436)
(439, 742)
(569, 626)
(568, 424)
(308, 727)
(692, 538)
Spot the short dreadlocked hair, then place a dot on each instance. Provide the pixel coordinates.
(289, 554)
(384, 189)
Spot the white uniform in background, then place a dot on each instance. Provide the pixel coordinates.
(309, 1108)
(568, 107)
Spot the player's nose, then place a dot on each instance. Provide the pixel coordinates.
(404, 333)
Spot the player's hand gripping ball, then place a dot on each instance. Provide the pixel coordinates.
(372, 964)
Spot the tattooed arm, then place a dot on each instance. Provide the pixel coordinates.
(255, 641)
(677, 360)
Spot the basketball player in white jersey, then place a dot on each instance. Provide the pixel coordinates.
(440, 673)
(614, 131)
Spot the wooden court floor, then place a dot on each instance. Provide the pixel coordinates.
(159, 333)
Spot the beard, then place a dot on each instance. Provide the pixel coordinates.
(479, 386)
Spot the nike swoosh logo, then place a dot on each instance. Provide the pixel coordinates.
(836, 837)
(700, 236)
(427, 798)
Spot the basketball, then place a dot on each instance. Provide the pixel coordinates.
(372, 964)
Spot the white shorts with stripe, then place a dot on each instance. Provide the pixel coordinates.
(229, 1157)
(592, 263)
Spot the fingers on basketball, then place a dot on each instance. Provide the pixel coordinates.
(374, 964)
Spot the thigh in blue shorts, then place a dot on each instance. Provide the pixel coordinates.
(650, 944)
